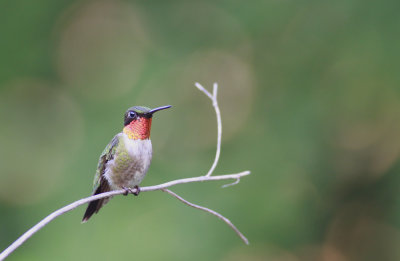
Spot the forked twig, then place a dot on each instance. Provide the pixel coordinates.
(213, 98)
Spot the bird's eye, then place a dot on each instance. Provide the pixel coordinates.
(132, 114)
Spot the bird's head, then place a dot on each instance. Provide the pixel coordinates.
(137, 121)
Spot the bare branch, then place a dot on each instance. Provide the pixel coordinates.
(201, 88)
(227, 221)
(83, 201)
(196, 179)
(215, 90)
(231, 184)
(219, 122)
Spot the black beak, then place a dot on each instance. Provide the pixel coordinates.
(159, 109)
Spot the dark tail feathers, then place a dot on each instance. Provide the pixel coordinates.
(95, 205)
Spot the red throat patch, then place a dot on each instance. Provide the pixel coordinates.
(138, 129)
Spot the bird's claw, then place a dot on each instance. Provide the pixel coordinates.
(135, 191)
(127, 190)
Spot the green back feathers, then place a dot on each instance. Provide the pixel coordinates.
(107, 155)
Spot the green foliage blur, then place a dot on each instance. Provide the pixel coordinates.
(310, 103)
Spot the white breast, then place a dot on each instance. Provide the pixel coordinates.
(139, 150)
(135, 164)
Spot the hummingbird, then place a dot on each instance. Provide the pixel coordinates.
(126, 159)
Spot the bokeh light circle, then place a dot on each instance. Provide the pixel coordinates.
(41, 129)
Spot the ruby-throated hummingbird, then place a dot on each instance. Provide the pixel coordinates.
(126, 159)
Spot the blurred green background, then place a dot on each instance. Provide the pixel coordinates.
(310, 101)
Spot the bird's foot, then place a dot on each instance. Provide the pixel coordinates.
(127, 190)
(135, 190)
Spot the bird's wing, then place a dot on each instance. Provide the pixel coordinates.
(107, 155)
(100, 183)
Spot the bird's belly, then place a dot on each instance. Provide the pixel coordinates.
(130, 164)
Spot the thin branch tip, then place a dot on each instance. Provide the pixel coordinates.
(198, 85)
(204, 90)
(232, 184)
(215, 90)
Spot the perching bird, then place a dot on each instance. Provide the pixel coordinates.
(126, 159)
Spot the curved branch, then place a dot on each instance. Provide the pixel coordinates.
(227, 221)
(213, 98)
(83, 201)
(231, 184)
